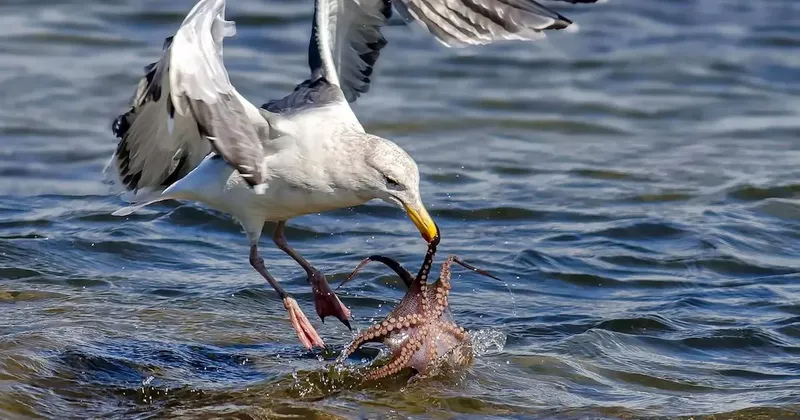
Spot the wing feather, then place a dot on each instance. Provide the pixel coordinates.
(185, 107)
(346, 42)
(346, 38)
(470, 22)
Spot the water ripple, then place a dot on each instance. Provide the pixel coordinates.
(634, 185)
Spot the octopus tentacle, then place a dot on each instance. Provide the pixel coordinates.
(422, 276)
(374, 333)
(398, 268)
(424, 305)
(480, 271)
(432, 353)
(441, 290)
(458, 332)
(444, 274)
(419, 330)
(382, 330)
(401, 360)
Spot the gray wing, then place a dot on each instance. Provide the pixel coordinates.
(309, 94)
(472, 22)
(346, 38)
(185, 107)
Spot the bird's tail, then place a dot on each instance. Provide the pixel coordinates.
(127, 211)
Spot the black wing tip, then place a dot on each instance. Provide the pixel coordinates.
(561, 22)
(387, 9)
(121, 124)
(168, 41)
(130, 180)
(120, 127)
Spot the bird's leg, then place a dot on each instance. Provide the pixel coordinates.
(305, 331)
(325, 300)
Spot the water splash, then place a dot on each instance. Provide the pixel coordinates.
(486, 341)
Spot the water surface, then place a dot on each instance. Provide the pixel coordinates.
(635, 184)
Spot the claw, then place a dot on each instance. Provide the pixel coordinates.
(326, 302)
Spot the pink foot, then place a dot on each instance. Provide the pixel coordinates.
(305, 331)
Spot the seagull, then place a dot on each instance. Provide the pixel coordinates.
(189, 135)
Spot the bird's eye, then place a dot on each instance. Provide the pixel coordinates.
(391, 182)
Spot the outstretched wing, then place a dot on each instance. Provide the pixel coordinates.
(346, 39)
(470, 22)
(185, 107)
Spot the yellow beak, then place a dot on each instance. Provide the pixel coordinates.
(423, 221)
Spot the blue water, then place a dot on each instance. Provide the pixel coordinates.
(635, 184)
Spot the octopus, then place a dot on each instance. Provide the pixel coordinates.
(420, 331)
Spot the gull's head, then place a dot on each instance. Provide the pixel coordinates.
(394, 178)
